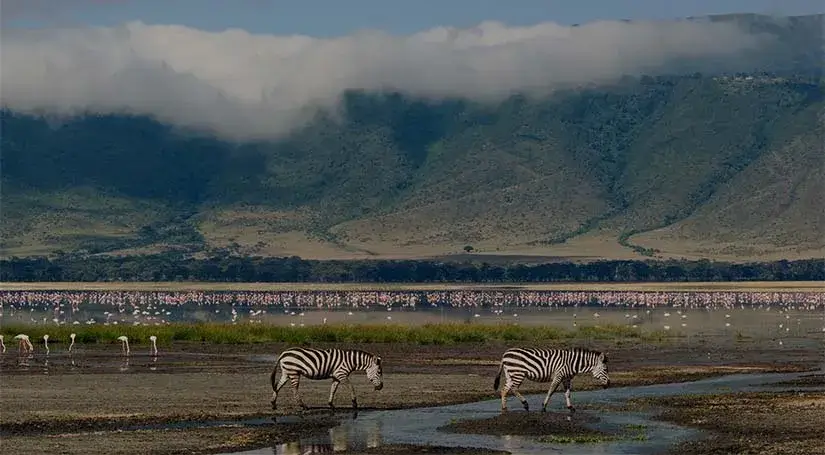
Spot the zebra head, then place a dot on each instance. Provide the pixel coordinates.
(599, 370)
(375, 373)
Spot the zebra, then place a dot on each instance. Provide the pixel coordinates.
(325, 364)
(557, 366)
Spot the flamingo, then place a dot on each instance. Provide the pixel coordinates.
(24, 345)
(2, 345)
(72, 343)
(124, 344)
(46, 342)
(154, 348)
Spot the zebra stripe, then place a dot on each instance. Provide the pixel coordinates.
(317, 364)
(557, 366)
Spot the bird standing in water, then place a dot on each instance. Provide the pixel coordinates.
(124, 344)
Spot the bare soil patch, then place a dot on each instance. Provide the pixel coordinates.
(808, 380)
(749, 423)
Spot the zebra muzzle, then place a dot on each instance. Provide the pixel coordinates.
(379, 387)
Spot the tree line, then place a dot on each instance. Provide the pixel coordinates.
(176, 267)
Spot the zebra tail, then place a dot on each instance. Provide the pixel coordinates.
(498, 377)
(274, 373)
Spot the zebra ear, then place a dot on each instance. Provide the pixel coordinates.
(378, 360)
(603, 357)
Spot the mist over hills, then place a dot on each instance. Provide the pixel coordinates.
(708, 144)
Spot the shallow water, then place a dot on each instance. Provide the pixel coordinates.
(420, 426)
(772, 322)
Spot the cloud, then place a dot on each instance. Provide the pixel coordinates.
(244, 86)
(50, 9)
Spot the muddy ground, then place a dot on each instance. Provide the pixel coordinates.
(529, 424)
(784, 423)
(94, 402)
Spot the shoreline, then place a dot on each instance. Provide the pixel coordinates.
(87, 409)
(174, 286)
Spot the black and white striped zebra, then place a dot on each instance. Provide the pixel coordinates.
(335, 364)
(556, 366)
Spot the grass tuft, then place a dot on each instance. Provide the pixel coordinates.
(225, 333)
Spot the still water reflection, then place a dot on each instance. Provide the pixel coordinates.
(338, 439)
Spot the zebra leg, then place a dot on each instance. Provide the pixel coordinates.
(567, 386)
(296, 382)
(333, 388)
(512, 383)
(352, 392)
(280, 384)
(553, 386)
(504, 391)
(521, 397)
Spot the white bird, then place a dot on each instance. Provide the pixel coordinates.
(46, 343)
(23, 343)
(124, 344)
(2, 345)
(71, 345)
(154, 348)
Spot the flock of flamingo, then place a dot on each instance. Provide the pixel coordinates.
(25, 346)
(160, 307)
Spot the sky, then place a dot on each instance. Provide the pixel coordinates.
(328, 18)
(259, 69)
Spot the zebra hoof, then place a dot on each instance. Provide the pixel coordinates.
(543, 409)
(354, 404)
(526, 406)
(572, 409)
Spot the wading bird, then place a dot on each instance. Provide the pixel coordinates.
(154, 349)
(124, 344)
(23, 343)
(46, 343)
(2, 345)
(71, 345)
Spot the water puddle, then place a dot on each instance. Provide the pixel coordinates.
(420, 426)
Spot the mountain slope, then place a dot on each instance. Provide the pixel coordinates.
(678, 157)
(702, 165)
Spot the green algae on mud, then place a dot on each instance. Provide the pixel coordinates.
(244, 333)
(547, 427)
(408, 449)
(518, 423)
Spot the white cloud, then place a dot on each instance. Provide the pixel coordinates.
(247, 86)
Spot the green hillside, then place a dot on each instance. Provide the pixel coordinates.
(697, 166)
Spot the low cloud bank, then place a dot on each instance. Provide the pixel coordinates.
(243, 86)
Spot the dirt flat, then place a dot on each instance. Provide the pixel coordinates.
(95, 402)
(750, 423)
